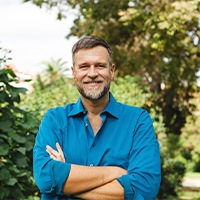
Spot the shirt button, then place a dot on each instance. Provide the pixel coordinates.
(94, 144)
(86, 125)
(91, 165)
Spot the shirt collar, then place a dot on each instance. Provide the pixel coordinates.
(111, 108)
(77, 109)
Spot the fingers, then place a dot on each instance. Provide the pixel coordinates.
(60, 151)
(55, 155)
(52, 153)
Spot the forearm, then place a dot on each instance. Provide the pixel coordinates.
(85, 178)
(109, 191)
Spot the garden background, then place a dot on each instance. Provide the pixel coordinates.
(156, 51)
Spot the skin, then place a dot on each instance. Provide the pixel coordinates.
(92, 74)
(100, 184)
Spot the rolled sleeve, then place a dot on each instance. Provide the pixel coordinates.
(144, 169)
(129, 193)
(142, 182)
(49, 174)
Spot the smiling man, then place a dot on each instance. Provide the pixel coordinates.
(96, 148)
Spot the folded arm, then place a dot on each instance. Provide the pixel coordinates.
(88, 182)
(84, 178)
(110, 191)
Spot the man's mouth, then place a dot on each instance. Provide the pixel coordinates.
(96, 82)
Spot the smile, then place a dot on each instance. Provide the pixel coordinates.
(92, 82)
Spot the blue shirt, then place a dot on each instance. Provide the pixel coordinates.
(126, 139)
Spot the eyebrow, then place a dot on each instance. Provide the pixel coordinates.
(88, 63)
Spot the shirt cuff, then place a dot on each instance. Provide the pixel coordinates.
(129, 193)
(59, 173)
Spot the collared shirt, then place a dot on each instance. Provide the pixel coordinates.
(126, 139)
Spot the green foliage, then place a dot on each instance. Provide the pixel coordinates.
(190, 139)
(17, 134)
(51, 88)
(126, 90)
(173, 167)
(159, 41)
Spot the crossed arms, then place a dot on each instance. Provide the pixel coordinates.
(54, 176)
(90, 182)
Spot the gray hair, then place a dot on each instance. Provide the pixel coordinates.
(89, 42)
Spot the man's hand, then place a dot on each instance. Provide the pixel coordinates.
(55, 155)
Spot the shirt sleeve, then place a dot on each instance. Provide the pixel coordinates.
(144, 170)
(50, 175)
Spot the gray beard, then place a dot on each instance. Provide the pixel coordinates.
(96, 96)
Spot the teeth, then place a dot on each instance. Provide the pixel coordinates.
(93, 82)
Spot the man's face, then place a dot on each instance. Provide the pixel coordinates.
(92, 72)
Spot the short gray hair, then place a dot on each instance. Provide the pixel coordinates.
(89, 42)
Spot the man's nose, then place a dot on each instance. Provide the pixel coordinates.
(92, 71)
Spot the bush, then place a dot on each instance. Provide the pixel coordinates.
(173, 167)
(190, 142)
(17, 133)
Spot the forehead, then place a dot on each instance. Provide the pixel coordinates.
(97, 54)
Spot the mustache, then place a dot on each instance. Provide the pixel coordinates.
(93, 80)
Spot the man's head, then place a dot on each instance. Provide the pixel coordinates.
(89, 42)
(92, 67)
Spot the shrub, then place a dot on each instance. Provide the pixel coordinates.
(17, 132)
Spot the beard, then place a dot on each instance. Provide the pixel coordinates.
(93, 93)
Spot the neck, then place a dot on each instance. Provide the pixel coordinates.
(95, 107)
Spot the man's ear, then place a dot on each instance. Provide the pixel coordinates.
(72, 68)
(112, 71)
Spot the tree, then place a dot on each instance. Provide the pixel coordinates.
(159, 40)
(17, 133)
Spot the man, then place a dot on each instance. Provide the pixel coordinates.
(96, 148)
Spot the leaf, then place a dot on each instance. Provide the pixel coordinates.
(22, 150)
(4, 174)
(12, 181)
(21, 90)
(4, 193)
(3, 150)
(18, 138)
(21, 162)
(29, 146)
(3, 96)
(14, 169)
(6, 126)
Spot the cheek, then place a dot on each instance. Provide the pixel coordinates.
(78, 76)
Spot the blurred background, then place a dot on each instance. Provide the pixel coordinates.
(157, 55)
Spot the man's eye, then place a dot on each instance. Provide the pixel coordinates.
(100, 65)
(83, 66)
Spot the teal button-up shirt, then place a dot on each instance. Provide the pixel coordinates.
(126, 139)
